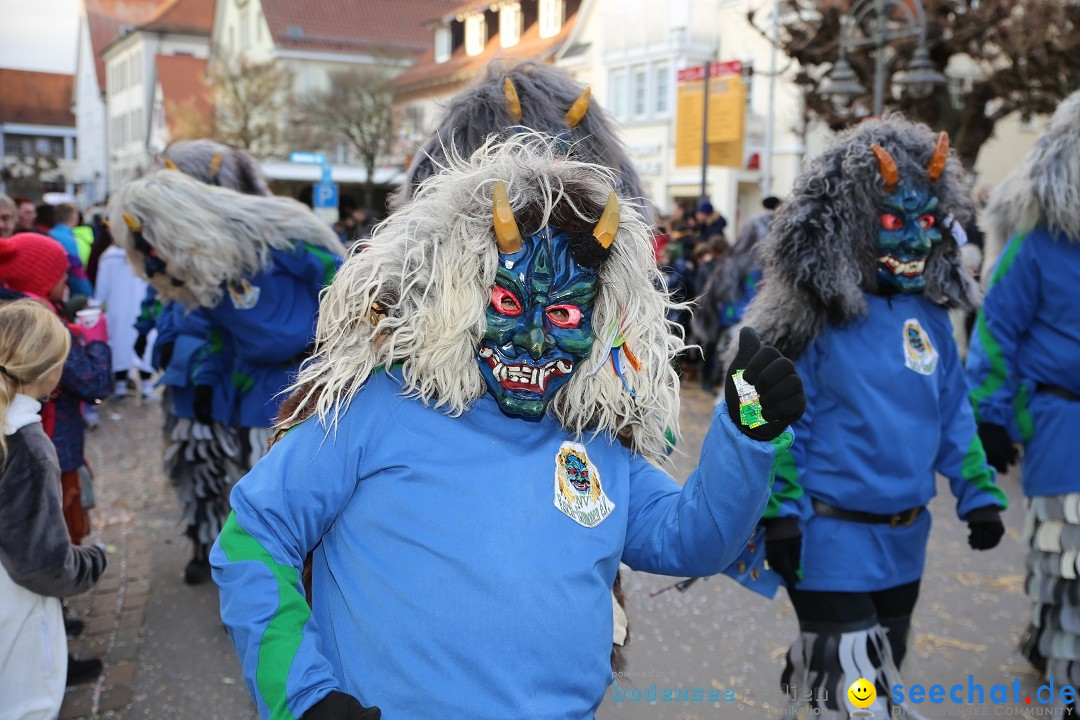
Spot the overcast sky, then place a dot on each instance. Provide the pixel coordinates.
(39, 35)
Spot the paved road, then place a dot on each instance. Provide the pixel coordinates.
(716, 635)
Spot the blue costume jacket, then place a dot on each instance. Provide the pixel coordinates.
(1028, 335)
(886, 409)
(261, 330)
(448, 579)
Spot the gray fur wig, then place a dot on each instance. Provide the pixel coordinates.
(1044, 189)
(821, 254)
(417, 292)
(545, 93)
(215, 163)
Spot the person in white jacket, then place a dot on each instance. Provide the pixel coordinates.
(38, 563)
(120, 292)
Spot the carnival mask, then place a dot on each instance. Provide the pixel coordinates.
(539, 317)
(908, 231)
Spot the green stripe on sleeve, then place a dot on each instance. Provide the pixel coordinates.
(999, 371)
(328, 261)
(976, 472)
(783, 467)
(283, 634)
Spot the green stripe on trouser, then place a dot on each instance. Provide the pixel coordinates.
(783, 466)
(998, 370)
(283, 634)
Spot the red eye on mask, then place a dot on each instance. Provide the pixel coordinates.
(891, 222)
(505, 302)
(564, 316)
(926, 222)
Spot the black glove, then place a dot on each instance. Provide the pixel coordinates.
(140, 345)
(204, 404)
(165, 354)
(783, 548)
(780, 390)
(985, 526)
(339, 706)
(1000, 451)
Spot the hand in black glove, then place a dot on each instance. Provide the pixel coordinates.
(985, 526)
(140, 345)
(339, 706)
(1000, 451)
(783, 548)
(165, 354)
(779, 388)
(204, 404)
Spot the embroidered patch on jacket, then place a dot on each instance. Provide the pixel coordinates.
(919, 352)
(578, 492)
(244, 295)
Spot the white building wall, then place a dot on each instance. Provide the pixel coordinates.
(92, 171)
(631, 40)
(240, 28)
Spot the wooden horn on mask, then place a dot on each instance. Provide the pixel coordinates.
(507, 235)
(608, 225)
(577, 111)
(889, 173)
(513, 102)
(939, 158)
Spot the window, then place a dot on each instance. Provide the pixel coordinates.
(442, 44)
(510, 21)
(551, 17)
(136, 68)
(475, 34)
(245, 29)
(617, 94)
(661, 87)
(641, 90)
(123, 75)
(258, 27)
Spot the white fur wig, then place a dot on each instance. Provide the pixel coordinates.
(431, 266)
(1044, 189)
(208, 235)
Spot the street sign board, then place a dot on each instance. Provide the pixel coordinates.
(308, 158)
(324, 197)
(719, 69)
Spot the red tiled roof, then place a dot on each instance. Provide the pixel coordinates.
(35, 97)
(183, 83)
(106, 19)
(352, 26)
(461, 66)
(190, 17)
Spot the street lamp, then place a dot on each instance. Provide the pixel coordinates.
(918, 79)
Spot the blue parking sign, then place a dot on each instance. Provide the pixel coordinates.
(324, 198)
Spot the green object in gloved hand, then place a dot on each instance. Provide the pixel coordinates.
(763, 390)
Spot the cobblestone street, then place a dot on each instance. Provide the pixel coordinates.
(167, 655)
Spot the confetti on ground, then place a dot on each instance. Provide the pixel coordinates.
(1008, 583)
(929, 642)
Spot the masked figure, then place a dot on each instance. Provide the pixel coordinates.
(860, 268)
(1023, 367)
(243, 273)
(507, 320)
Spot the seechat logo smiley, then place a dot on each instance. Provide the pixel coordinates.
(862, 693)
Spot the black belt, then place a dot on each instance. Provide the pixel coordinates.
(900, 519)
(1055, 390)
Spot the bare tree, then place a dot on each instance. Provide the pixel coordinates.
(188, 121)
(252, 103)
(1006, 56)
(356, 111)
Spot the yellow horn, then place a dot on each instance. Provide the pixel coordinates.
(215, 164)
(170, 164)
(507, 234)
(132, 223)
(605, 230)
(939, 158)
(577, 111)
(889, 172)
(513, 103)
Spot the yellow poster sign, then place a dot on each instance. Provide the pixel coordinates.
(727, 113)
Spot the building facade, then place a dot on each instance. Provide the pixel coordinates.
(37, 134)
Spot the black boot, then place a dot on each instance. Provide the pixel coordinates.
(73, 626)
(80, 671)
(197, 571)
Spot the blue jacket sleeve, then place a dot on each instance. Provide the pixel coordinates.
(212, 361)
(1010, 306)
(88, 370)
(788, 498)
(280, 511)
(700, 529)
(150, 309)
(961, 457)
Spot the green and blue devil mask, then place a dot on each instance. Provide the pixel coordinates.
(539, 318)
(909, 228)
